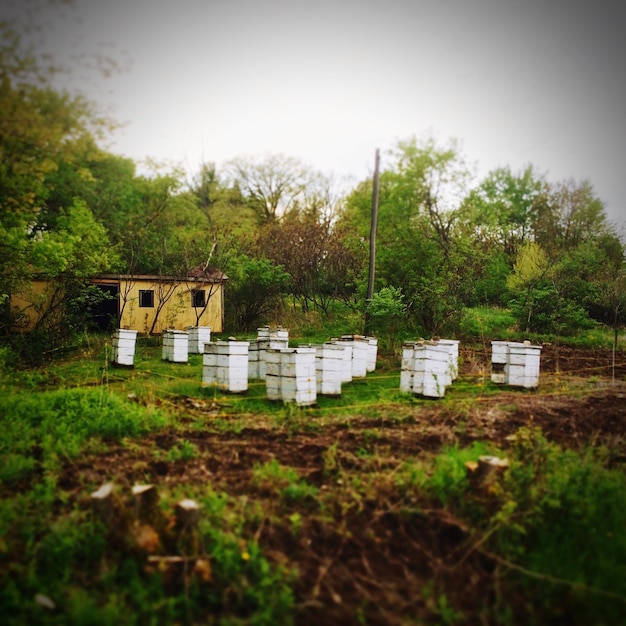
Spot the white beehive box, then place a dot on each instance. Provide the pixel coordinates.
(298, 376)
(123, 344)
(279, 334)
(225, 364)
(360, 348)
(425, 368)
(198, 336)
(258, 353)
(328, 368)
(522, 366)
(453, 356)
(175, 346)
(430, 370)
(499, 351)
(407, 367)
(272, 375)
(290, 375)
(346, 368)
(372, 353)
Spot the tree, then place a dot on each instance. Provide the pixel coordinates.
(254, 290)
(501, 213)
(434, 179)
(272, 185)
(418, 246)
(528, 281)
(315, 255)
(569, 214)
(223, 206)
(42, 130)
(611, 303)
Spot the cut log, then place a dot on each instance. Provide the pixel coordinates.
(187, 516)
(486, 470)
(146, 499)
(111, 511)
(103, 503)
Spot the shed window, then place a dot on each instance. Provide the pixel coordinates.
(198, 298)
(146, 298)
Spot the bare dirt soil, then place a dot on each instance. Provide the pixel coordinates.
(369, 558)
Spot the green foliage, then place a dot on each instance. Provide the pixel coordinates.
(183, 450)
(60, 422)
(387, 312)
(272, 476)
(447, 478)
(254, 288)
(486, 323)
(556, 516)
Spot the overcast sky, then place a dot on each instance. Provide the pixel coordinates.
(330, 81)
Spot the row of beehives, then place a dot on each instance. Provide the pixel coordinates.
(176, 344)
(296, 375)
(290, 374)
(429, 367)
(300, 374)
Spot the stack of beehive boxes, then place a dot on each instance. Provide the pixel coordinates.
(123, 344)
(198, 336)
(329, 365)
(372, 353)
(522, 366)
(427, 368)
(175, 346)
(360, 353)
(290, 375)
(453, 360)
(498, 361)
(225, 364)
(267, 338)
(515, 363)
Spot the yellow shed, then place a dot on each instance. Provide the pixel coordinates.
(148, 304)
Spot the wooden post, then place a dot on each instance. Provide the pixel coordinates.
(372, 261)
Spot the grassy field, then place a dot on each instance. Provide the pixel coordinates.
(372, 508)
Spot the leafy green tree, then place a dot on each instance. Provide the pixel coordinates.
(387, 312)
(569, 214)
(418, 250)
(529, 282)
(43, 134)
(75, 250)
(254, 290)
(501, 213)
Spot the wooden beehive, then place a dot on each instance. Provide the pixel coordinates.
(198, 336)
(453, 357)
(225, 364)
(372, 353)
(360, 349)
(498, 361)
(290, 375)
(175, 346)
(123, 344)
(522, 366)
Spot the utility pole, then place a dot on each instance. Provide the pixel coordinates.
(372, 265)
